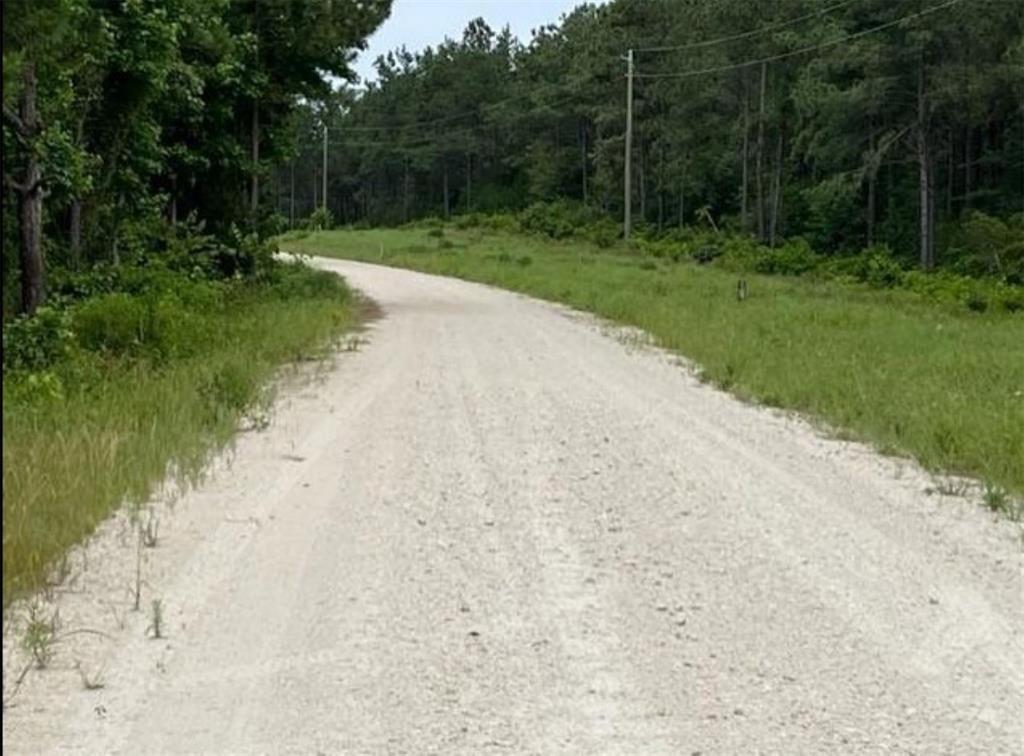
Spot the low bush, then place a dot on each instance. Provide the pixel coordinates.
(135, 370)
(794, 258)
(982, 245)
(985, 273)
(560, 219)
(320, 219)
(34, 344)
(877, 267)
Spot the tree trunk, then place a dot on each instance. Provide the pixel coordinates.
(30, 200)
(872, 181)
(255, 199)
(469, 181)
(405, 191)
(583, 157)
(291, 198)
(75, 224)
(661, 186)
(642, 178)
(777, 186)
(950, 171)
(75, 219)
(968, 139)
(746, 157)
(760, 155)
(174, 200)
(926, 202)
(447, 208)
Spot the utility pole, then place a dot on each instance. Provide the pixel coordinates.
(627, 221)
(324, 192)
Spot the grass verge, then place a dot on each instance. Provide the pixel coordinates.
(941, 384)
(104, 426)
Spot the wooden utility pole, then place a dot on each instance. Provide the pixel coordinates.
(323, 193)
(627, 178)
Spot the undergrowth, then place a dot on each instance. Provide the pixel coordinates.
(134, 373)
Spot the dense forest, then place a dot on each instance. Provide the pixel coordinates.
(125, 118)
(850, 124)
(144, 310)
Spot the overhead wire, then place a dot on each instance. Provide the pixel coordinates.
(802, 50)
(751, 33)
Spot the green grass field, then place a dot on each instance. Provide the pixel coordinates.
(943, 385)
(118, 425)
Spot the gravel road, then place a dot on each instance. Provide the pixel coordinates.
(501, 527)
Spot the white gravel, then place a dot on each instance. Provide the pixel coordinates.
(493, 528)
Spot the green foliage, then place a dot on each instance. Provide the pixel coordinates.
(319, 220)
(793, 258)
(878, 268)
(827, 152)
(158, 327)
(104, 396)
(983, 245)
(562, 219)
(33, 344)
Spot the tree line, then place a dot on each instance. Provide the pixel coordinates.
(124, 117)
(850, 123)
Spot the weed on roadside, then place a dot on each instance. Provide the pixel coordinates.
(40, 635)
(90, 682)
(998, 500)
(156, 623)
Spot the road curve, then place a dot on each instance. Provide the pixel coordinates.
(496, 528)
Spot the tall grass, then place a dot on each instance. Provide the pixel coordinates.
(942, 384)
(121, 423)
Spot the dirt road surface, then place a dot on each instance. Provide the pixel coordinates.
(496, 527)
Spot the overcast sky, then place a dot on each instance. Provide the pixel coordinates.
(418, 23)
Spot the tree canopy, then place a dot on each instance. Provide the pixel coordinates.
(850, 123)
(147, 111)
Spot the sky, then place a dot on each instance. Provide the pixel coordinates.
(418, 23)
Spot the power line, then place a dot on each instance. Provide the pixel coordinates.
(432, 122)
(802, 50)
(751, 33)
(411, 142)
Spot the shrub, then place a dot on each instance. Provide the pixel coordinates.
(740, 252)
(245, 254)
(111, 322)
(603, 233)
(877, 267)
(319, 220)
(30, 390)
(706, 253)
(273, 225)
(297, 281)
(982, 245)
(1010, 298)
(229, 390)
(793, 258)
(976, 302)
(560, 219)
(34, 344)
(155, 325)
